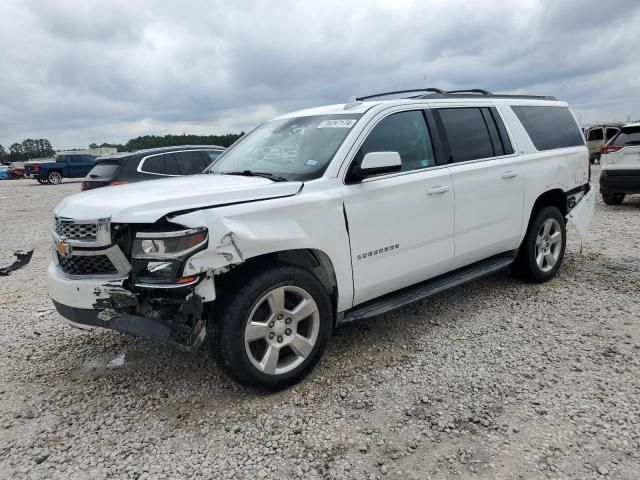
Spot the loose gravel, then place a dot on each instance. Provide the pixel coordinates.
(498, 379)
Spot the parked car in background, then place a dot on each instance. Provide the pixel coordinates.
(597, 136)
(325, 216)
(620, 160)
(16, 170)
(4, 172)
(65, 165)
(151, 164)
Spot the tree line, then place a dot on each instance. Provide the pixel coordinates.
(41, 148)
(29, 148)
(154, 141)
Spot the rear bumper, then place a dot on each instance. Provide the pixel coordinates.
(620, 181)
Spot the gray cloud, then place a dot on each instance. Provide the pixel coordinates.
(78, 72)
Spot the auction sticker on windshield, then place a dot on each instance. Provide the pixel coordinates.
(337, 123)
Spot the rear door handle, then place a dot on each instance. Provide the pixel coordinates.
(509, 174)
(438, 190)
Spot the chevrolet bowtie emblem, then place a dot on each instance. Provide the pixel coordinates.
(62, 248)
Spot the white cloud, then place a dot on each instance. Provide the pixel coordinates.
(78, 72)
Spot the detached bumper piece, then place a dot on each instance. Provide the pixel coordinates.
(23, 257)
(173, 320)
(620, 181)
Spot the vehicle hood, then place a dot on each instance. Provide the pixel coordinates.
(146, 202)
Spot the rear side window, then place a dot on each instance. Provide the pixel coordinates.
(190, 162)
(611, 132)
(171, 165)
(627, 136)
(105, 169)
(154, 164)
(467, 132)
(549, 127)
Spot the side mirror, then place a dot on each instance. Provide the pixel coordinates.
(375, 163)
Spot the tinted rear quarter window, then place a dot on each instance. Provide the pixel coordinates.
(154, 164)
(627, 136)
(549, 127)
(467, 133)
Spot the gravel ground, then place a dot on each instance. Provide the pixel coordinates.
(499, 379)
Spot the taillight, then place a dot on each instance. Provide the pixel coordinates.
(610, 148)
(36, 168)
(118, 183)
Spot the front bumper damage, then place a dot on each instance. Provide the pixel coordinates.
(176, 317)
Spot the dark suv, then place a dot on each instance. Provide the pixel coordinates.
(129, 167)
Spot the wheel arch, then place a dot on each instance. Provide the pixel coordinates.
(315, 261)
(556, 197)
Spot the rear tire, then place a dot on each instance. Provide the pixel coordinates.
(54, 178)
(613, 198)
(270, 330)
(542, 249)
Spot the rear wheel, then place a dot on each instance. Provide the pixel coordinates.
(272, 331)
(613, 198)
(54, 178)
(542, 249)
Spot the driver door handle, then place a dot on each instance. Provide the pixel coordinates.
(438, 190)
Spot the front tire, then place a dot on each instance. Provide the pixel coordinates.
(272, 330)
(42, 181)
(613, 198)
(542, 249)
(54, 178)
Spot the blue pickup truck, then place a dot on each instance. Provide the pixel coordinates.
(65, 165)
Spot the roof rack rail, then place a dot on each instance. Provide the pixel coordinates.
(472, 90)
(431, 90)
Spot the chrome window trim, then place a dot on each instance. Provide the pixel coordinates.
(140, 165)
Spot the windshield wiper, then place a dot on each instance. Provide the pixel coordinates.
(251, 173)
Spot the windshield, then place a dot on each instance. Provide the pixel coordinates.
(292, 148)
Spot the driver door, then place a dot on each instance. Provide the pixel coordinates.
(400, 224)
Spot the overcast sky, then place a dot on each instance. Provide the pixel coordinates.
(85, 71)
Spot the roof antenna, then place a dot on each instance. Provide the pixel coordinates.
(351, 103)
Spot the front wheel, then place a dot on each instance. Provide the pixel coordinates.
(42, 181)
(54, 178)
(542, 249)
(272, 331)
(613, 198)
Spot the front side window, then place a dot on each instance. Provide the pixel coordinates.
(298, 148)
(467, 133)
(405, 133)
(595, 134)
(550, 127)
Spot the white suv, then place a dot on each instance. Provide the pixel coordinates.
(325, 216)
(620, 161)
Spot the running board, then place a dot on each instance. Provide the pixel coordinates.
(428, 288)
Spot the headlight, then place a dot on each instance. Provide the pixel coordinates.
(158, 257)
(168, 245)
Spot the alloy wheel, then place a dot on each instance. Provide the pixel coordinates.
(548, 244)
(282, 330)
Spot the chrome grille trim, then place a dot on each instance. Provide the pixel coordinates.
(96, 233)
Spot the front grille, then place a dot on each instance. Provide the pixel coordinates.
(83, 265)
(75, 231)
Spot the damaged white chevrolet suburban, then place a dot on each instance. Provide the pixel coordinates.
(325, 216)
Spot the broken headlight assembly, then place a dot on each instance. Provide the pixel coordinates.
(158, 257)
